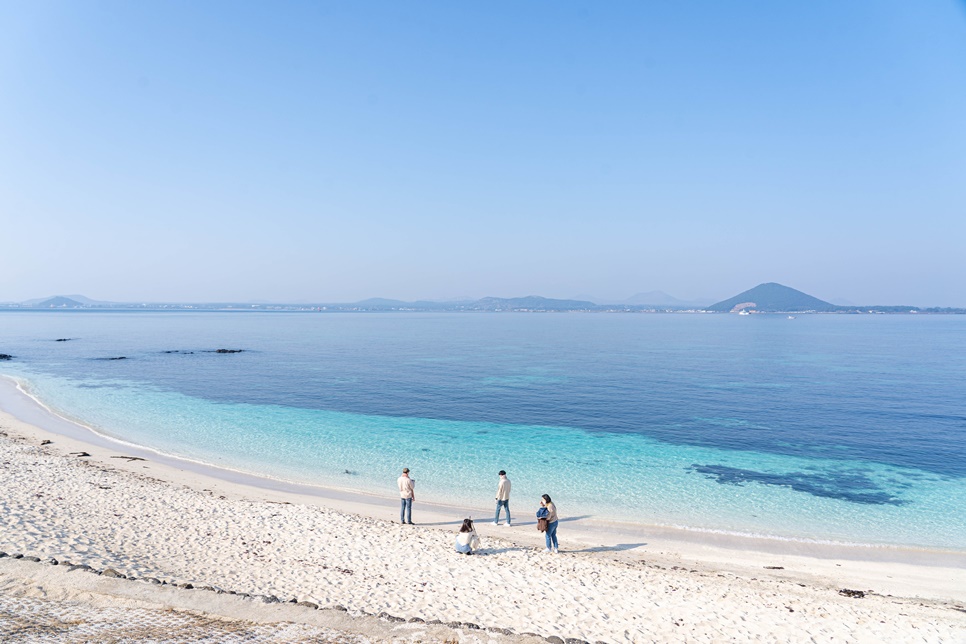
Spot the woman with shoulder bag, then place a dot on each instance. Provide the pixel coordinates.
(547, 522)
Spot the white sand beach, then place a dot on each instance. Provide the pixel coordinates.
(251, 551)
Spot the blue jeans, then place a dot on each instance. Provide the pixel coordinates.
(551, 535)
(406, 511)
(505, 504)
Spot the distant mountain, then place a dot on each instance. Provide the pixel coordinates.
(79, 300)
(58, 301)
(772, 297)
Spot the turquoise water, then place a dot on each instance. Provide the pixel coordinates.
(790, 446)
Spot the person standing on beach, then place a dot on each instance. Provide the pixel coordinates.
(502, 498)
(551, 515)
(407, 494)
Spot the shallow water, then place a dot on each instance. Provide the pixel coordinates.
(833, 428)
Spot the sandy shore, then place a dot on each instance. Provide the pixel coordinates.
(243, 544)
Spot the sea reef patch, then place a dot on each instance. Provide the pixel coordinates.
(846, 486)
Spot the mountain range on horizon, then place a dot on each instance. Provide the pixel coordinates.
(769, 297)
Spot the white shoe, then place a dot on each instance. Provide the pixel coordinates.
(554, 551)
(508, 524)
(547, 550)
(496, 523)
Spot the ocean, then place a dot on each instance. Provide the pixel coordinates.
(831, 428)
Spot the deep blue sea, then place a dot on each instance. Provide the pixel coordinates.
(824, 427)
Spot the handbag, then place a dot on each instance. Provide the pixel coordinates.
(542, 524)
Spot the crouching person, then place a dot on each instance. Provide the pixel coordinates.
(467, 541)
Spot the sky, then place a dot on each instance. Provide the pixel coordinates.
(336, 151)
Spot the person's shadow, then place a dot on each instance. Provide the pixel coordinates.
(615, 548)
(499, 551)
(578, 518)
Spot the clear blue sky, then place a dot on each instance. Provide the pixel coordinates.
(334, 151)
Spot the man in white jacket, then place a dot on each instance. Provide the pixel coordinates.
(502, 498)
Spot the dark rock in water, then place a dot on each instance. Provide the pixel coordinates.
(110, 572)
(471, 626)
(16, 556)
(225, 351)
(113, 358)
(6, 356)
(574, 640)
(46, 442)
(309, 604)
(2, 554)
(186, 586)
(63, 339)
(417, 620)
(774, 567)
(553, 639)
(211, 588)
(269, 599)
(856, 594)
(434, 621)
(51, 561)
(34, 559)
(455, 624)
(496, 629)
(78, 567)
(79, 454)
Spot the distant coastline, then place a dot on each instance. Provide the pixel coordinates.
(769, 297)
(442, 308)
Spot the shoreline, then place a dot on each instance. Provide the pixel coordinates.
(26, 407)
(168, 521)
